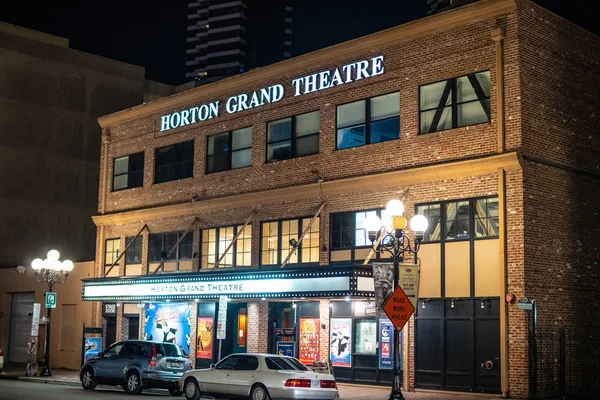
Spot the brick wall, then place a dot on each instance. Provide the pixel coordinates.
(408, 64)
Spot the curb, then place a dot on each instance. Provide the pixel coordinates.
(9, 377)
(49, 380)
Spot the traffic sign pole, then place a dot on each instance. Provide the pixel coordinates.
(46, 367)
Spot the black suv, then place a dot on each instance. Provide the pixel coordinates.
(137, 364)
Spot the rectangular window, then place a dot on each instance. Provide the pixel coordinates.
(133, 255)
(487, 221)
(455, 103)
(160, 245)
(457, 220)
(229, 150)
(461, 219)
(277, 235)
(348, 229)
(216, 240)
(174, 162)
(295, 136)
(128, 172)
(368, 121)
(111, 251)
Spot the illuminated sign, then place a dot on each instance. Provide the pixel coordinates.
(348, 73)
(193, 288)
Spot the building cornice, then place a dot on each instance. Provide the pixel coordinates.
(439, 22)
(380, 181)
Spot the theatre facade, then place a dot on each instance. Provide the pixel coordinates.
(249, 195)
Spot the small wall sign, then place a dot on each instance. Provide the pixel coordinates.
(525, 304)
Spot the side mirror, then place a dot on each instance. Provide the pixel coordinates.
(213, 366)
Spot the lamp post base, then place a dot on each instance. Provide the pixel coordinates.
(396, 393)
(45, 371)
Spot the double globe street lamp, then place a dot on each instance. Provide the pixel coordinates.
(53, 272)
(390, 237)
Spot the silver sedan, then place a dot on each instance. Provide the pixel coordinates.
(260, 376)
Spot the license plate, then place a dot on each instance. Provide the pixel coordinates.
(315, 383)
(175, 365)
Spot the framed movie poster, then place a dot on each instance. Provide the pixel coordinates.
(204, 342)
(340, 342)
(309, 340)
(386, 345)
(168, 322)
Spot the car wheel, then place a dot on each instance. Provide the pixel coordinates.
(133, 384)
(191, 389)
(174, 392)
(87, 379)
(259, 392)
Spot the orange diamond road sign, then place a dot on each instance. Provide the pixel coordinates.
(398, 308)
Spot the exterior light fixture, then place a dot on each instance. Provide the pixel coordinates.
(52, 272)
(396, 243)
(483, 301)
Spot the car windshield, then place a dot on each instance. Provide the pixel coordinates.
(284, 364)
(168, 349)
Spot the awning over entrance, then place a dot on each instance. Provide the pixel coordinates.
(327, 282)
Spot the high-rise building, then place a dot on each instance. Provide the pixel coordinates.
(226, 37)
(435, 6)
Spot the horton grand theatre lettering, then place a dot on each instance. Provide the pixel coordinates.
(345, 74)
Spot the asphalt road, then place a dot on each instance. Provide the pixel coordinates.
(20, 390)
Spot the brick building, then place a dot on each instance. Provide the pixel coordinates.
(481, 118)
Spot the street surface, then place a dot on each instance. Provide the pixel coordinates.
(20, 390)
(26, 390)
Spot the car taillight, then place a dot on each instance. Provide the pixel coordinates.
(1, 353)
(298, 383)
(328, 384)
(152, 360)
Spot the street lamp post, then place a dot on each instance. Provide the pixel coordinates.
(396, 243)
(52, 272)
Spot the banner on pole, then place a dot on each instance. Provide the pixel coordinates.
(409, 282)
(383, 281)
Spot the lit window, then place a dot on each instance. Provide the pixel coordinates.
(111, 251)
(276, 237)
(216, 240)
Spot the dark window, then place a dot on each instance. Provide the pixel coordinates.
(460, 218)
(170, 350)
(368, 121)
(111, 251)
(228, 363)
(174, 162)
(229, 150)
(160, 244)
(247, 363)
(133, 255)
(276, 237)
(128, 171)
(454, 103)
(293, 136)
(348, 230)
(132, 349)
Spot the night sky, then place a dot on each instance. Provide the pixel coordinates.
(152, 33)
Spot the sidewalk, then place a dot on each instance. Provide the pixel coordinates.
(347, 391)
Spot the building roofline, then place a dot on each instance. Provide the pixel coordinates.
(431, 24)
